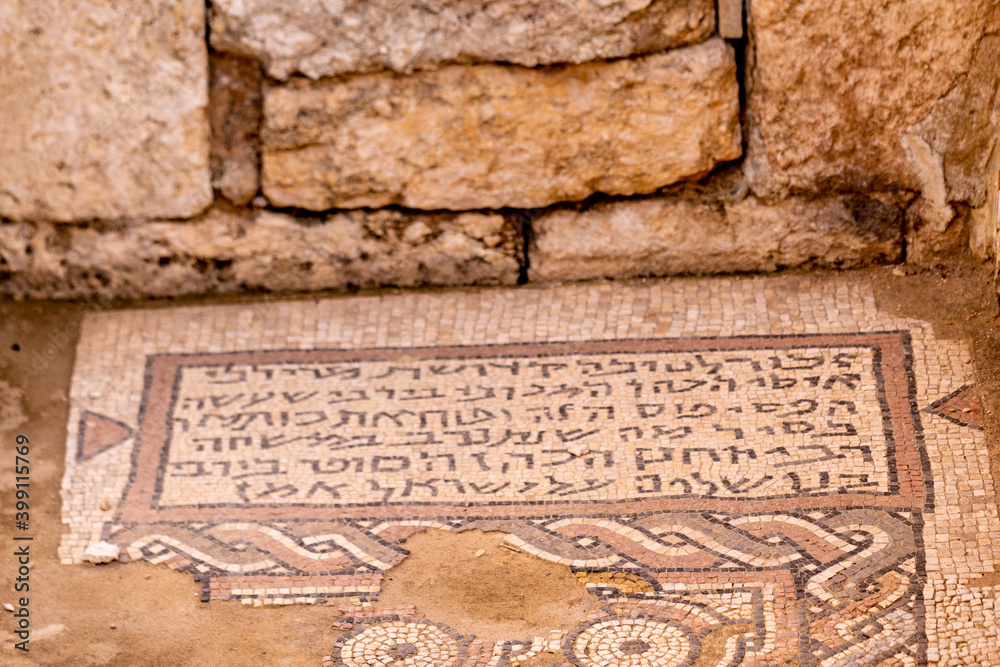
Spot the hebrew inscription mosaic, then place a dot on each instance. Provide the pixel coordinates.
(523, 426)
(765, 488)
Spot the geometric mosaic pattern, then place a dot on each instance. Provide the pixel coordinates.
(791, 476)
(961, 407)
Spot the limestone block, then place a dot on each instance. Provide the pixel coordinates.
(676, 236)
(104, 110)
(984, 228)
(227, 252)
(321, 38)
(235, 99)
(490, 136)
(835, 89)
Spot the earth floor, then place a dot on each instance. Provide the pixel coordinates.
(786, 470)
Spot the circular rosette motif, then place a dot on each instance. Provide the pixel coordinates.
(627, 641)
(400, 642)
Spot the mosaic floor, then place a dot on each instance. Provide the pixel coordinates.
(791, 476)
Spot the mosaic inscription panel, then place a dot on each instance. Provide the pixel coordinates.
(593, 424)
(750, 423)
(754, 500)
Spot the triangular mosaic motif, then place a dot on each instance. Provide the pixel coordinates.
(99, 433)
(961, 407)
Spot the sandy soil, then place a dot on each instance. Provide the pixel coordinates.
(138, 614)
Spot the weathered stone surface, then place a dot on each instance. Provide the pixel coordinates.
(984, 228)
(104, 110)
(927, 244)
(489, 136)
(730, 19)
(235, 100)
(964, 125)
(674, 236)
(845, 96)
(226, 252)
(327, 37)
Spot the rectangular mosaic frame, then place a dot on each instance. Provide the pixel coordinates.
(907, 459)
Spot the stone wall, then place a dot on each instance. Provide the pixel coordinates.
(166, 147)
(897, 95)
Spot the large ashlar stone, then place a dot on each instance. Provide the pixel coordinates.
(873, 95)
(104, 109)
(229, 252)
(491, 136)
(678, 236)
(321, 38)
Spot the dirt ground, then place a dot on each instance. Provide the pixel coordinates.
(139, 614)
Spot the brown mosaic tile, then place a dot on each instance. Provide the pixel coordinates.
(789, 477)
